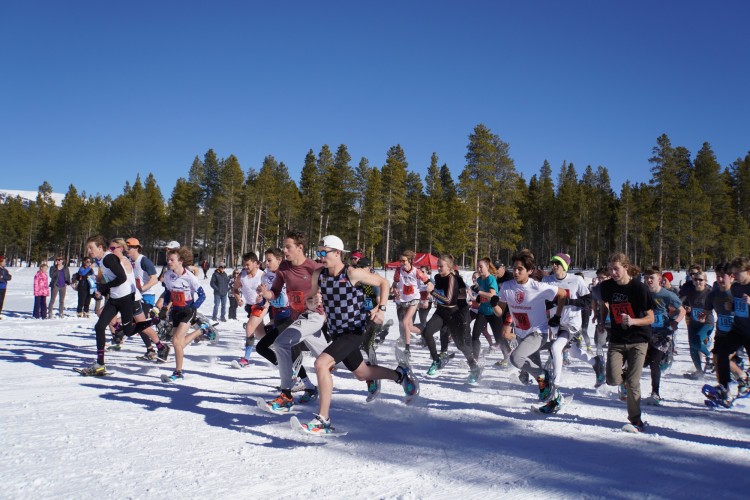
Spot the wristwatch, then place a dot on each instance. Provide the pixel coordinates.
(382, 308)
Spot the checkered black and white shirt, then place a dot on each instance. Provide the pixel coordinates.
(343, 302)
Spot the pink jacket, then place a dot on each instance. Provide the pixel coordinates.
(41, 284)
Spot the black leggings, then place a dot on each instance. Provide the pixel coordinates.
(123, 305)
(455, 320)
(496, 323)
(264, 345)
(653, 360)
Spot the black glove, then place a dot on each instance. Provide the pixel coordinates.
(475, 288)
(554, 320)
(495, 300)
(163, 313)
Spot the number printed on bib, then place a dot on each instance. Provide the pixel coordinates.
(296, 300)
(408, 290)
(522, 320)
(740, 307)
(724, 322)
(178, 299)
(618, 309)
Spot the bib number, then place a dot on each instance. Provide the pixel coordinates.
(296, 300)
(408, 290)
(368, 304)
(724, 322)
(178, 299)
(522, 321)
(621, 308)
(740, 307)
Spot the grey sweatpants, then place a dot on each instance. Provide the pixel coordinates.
(633, 355)
(306, 328)
(53, 295)
(526, 356)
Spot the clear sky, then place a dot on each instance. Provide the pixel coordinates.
(93, 92)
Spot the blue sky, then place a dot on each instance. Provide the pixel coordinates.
(92, 93)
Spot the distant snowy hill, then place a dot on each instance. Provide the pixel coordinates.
(28, 195)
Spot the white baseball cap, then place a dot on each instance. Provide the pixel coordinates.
(334, 242)
(173, 244)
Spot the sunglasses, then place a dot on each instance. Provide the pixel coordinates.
(699, 279)
(112, 249)
(322, 253)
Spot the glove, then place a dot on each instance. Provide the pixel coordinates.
(494, 301)
(554, 320)
(163, 313)
(475, 288)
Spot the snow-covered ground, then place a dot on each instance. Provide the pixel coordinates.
(130, 436)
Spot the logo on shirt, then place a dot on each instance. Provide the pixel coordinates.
(520, 295)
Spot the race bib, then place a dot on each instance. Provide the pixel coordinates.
(441, 293)
(482, 299)
(522, 321)
(424, 295)
(408, 290)
(724, 322)
(698, 314)
(368, 304)
(296, 300)
(620, 308)
(178, 299)
(740, 307)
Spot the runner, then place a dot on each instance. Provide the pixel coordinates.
(405, 289)
(295, 272)
(246, 292)
(185, 294)
(668, 312)
(578, 298)
(487, 288)
(445, 291)
(335, 285)
(113, 284)
(739, 334)
(526, 298)
(699, 304)
(723, 304)
(281, 317)
(630, 307)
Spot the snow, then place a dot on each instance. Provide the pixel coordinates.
(29, 195)
(129, 435)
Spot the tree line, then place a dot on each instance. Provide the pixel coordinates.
(692, 210)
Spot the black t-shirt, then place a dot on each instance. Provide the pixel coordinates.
(505, 277)
(741, 315)
(633, 299)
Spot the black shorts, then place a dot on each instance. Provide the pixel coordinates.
(137, 307)
(180, 315)
(345, 347)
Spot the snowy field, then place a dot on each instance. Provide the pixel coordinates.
(130, 436)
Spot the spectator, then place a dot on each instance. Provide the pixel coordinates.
(220, 286)
(82, 282)
(41, 291)
(232, 299)
(5, 277)
(59, 279)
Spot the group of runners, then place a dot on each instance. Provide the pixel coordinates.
(334, 307)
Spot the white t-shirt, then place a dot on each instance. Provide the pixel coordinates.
(182, 288)
(526, 304)
(574, 286)
(250, 286)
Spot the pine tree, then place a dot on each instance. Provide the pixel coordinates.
(434, 211)
(373, 214)
(310, 190)
(325, 165)
(394, 193)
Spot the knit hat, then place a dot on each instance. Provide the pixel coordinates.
(563, 259)
(357, 255)
(667, 276)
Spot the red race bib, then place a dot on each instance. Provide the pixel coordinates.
(296, 300)
(522, 321)
(178, 299)
(619, 309)
(408, 289)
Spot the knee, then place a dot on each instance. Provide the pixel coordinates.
(517, 360)
(324, 364)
